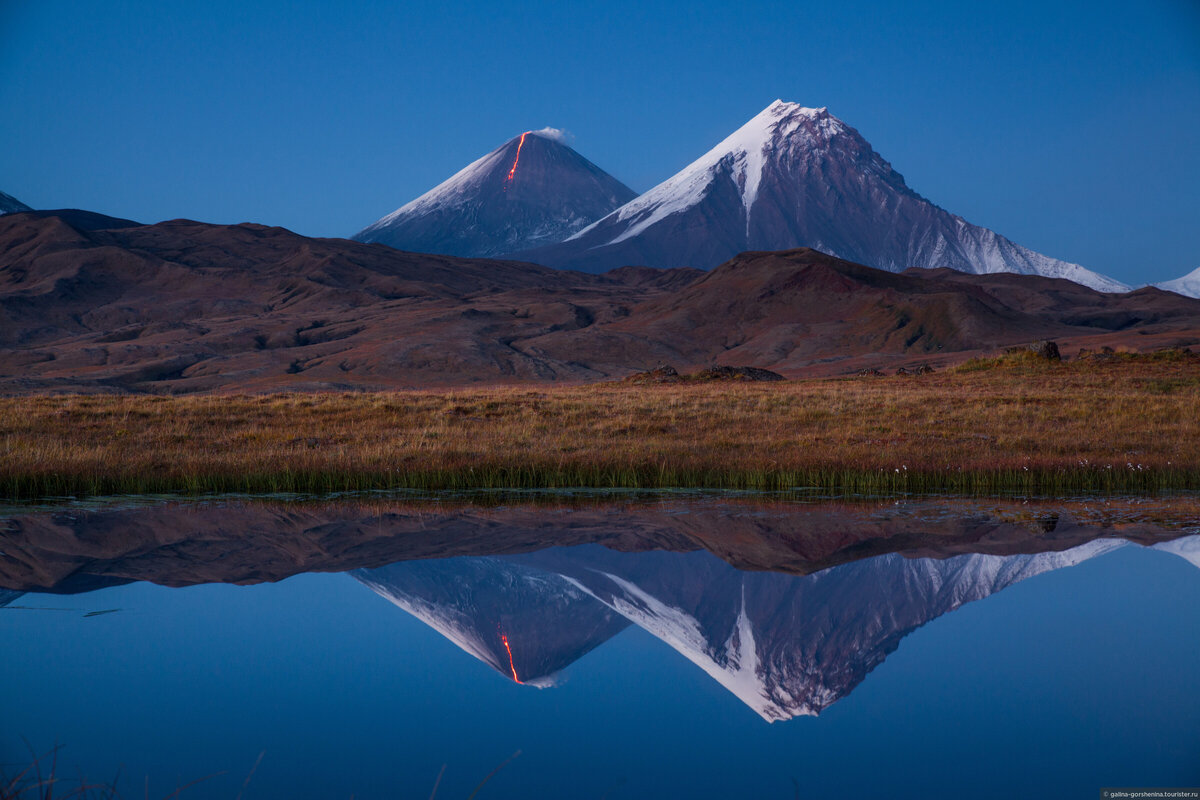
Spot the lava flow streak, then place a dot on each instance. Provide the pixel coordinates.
(516, 160)
(504, 638)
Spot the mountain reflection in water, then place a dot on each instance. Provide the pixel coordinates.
(788, 605)
(784, 645)
(1074, 680)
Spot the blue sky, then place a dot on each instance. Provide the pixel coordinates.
(1070, 127)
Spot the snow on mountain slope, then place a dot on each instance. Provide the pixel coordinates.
(530, 191)
(1187, 548)
(1188, 285)
(733, 663)
(790, 177)
(742, 156)
(11, 205)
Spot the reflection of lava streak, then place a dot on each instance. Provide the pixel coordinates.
(503, 637)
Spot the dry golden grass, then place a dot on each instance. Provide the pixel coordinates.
(1127, 424)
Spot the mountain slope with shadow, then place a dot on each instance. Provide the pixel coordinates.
(97, 304)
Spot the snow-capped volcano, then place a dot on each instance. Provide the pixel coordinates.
(11, 205)
(533, 190)
(797, 177)
(1188, 285)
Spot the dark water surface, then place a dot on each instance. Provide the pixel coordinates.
(667, 646)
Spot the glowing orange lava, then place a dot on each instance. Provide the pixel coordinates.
(503, 637)
(516, 160)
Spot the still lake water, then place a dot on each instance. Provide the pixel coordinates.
(678, 646)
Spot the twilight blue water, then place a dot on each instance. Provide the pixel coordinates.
(1025, 676)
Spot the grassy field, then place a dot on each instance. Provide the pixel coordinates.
(1010, 425)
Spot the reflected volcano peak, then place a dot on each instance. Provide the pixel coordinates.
(784, 645)
(508, 615)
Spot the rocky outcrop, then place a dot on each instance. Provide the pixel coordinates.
(748, 374)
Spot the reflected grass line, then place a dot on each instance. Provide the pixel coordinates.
(492, 774)
(882, 482)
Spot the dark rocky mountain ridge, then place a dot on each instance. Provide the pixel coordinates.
(93, 303)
